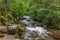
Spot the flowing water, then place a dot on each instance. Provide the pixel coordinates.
(33, 29)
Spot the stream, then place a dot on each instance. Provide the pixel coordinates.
(34, 30)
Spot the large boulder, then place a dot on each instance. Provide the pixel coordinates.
(12, 29)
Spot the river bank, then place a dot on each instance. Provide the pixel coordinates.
(55, 35)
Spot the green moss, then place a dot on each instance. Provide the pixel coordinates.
(20, 27)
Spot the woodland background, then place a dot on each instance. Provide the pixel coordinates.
(43, 11)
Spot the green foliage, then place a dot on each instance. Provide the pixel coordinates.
(44, 11)
(19, 8)
(47, 12)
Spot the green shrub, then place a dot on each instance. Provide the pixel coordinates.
(44, 11)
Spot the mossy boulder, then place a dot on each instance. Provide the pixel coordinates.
(15, 28)
(12, 29)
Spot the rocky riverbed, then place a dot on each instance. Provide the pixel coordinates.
(54, 36)
(36, 30)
